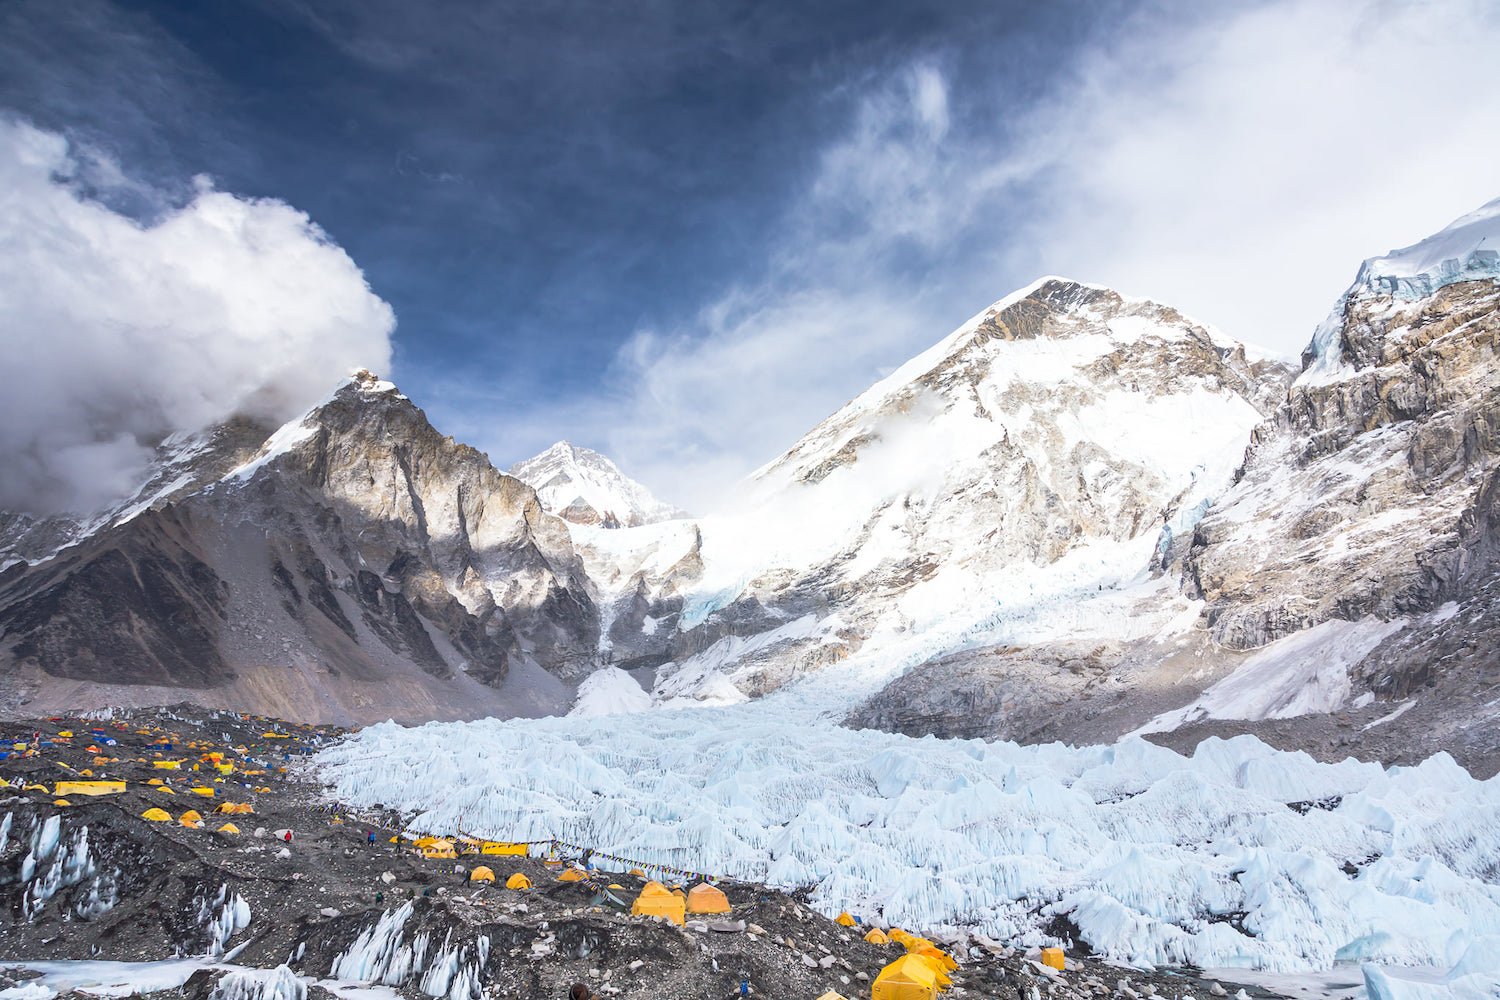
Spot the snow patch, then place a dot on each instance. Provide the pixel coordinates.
(1302, 674)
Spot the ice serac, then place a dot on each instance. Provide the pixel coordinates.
(1374, 492)
(584, 487)
(351, 565)
(1037, 457)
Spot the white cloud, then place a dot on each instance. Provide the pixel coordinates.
(1243, 169)
(116, 333)
(1238, 164)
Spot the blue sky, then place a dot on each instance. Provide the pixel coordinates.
(683, 232)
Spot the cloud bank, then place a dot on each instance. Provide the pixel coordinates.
(1238, 164)
(116, 333)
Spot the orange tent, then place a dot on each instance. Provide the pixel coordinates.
(704, 898)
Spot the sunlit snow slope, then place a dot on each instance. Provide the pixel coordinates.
(1044, 450)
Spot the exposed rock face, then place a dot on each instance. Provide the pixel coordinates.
(356, 565)
(1372, 490)
(583, 487)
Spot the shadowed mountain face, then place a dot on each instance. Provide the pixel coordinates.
(353, 565)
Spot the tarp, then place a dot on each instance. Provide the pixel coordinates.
(88, 787)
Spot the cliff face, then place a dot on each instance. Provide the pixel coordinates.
(1372, 490)
(355, 565)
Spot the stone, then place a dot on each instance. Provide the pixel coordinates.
(328, 911)
(809, 961)
(826, 961)
(755, 929)
(387, 877)
(634, 966)
(696, 925)
(727, 926)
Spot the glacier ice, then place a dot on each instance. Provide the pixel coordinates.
(1157, 857)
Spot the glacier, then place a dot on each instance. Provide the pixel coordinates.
(1237, 856)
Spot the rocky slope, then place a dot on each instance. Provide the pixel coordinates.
(352, 565)
(583, 487)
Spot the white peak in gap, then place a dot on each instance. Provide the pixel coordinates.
(583, 486)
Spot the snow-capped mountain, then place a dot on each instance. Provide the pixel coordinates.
(352, 564)
(1079, 515)
(1050, 446)
(583, 487)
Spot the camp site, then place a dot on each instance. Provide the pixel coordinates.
(235, 859)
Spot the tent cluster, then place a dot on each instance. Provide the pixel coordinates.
(656, 900)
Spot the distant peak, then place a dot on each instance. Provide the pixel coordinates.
(585, 487)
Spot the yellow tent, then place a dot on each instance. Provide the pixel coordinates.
(235, 808)
(481, 874)
(203, 791)
(468, 845)
(833, 995)
(494, 847)
(439, 849)
(704, 898)
(877, 936)
(518, 881)
(907, 978)
(156, 815)
(571, 875)
(426, 841)
(65, 735)
(942, 959)
(61, 802)
(934, 961)
(190, 818)
(1053, 957)
(844, 920)
(656, 901)
(637, 872)
(229, 828)
(166, 765)
(88, 787)
(156, 781)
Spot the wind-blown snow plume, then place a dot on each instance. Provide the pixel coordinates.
(117, 333)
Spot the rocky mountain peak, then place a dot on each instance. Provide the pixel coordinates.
(582, 486)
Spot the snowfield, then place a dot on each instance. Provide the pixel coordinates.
(1239, 856)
